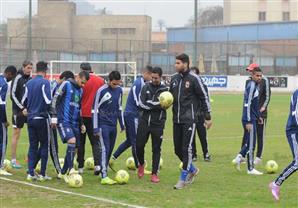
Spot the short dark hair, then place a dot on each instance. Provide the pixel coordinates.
(257, 69)
(10, 69)
(85, 66)
(84, 74)
(184, 58)
(114, 75)
(26, 63)
(196, 69)
(41, 66)
(157, 70)
(148, 68)
(66, 75)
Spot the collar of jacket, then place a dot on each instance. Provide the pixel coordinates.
(38, 76)
(2, 75)
(72, 81)
(155, 86)
(184, 73)
(22, 73)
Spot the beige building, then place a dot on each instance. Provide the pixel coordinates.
(56, 27)
(251, 11)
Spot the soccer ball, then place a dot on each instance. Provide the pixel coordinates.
(61, 161)
(130, 163)
(122, 177)
(160, 163)
(166, 99)
(181, 166)
(89, 163)
(75, 164)
(271, 166)
(38, 167)
(7, 165)
(75, 181)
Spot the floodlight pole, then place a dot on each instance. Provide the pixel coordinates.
(195, 53)
(29, 33)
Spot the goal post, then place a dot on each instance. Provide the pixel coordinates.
(128, 69)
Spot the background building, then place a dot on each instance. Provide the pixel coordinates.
(59, 33)
(273, 45)
(250, 11)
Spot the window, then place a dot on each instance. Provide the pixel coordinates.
(262, 16)
(119, 31)
(286, 16)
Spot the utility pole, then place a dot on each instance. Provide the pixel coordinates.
(195, 52)
(29, 33)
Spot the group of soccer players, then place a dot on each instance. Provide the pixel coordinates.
(76, 106)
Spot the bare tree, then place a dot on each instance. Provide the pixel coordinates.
(103, 11)
(209, 16)
(161, 24)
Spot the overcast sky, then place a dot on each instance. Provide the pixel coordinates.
(175, 13)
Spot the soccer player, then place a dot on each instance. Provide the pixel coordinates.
(53, 131)
(292, 135)
(18, 114)
(264, 99)
(131, 115)
(250, 117)
(107, 109)
(152, 122)
(188, 90)
(37, 100)
(66, 112)
(201, 129)
(9, 73)
(89, 91)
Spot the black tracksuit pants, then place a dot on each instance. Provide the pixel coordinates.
(183, 139)
(261, 129)
(93, 141)
(143, 133)
(202, 133)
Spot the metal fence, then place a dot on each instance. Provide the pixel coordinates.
(225, 58)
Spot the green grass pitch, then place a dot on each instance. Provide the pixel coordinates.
(218, 183)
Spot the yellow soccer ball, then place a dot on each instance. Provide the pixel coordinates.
(89, 163)
(160, 163)
(122, 177)
(271, 166)
(181, 166)
(75, 181)
(61, 161)
(75, 164)
(38, 167)
(7, 165)
(130, 163)
(166, 99)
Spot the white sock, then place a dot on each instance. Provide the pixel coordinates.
(13, 160)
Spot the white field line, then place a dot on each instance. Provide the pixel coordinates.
(109, 201)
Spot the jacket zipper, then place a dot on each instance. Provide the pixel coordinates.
(160, 115)
(179, 89)
(192, 112)
(149, 119)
